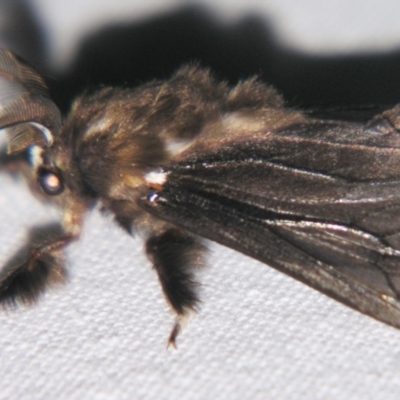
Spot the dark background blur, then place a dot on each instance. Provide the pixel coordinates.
(130, 53)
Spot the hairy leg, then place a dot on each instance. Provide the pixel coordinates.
(176, 255)
(35, 267)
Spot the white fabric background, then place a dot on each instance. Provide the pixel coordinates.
(260, 335)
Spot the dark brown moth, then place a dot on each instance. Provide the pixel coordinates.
(191, 158)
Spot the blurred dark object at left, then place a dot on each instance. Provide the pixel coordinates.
(20, 31)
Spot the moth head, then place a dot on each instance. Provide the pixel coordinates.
(49, 178)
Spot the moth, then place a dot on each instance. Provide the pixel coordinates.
(191, 158)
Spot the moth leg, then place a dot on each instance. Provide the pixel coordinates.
(40, 264)
(176, 255)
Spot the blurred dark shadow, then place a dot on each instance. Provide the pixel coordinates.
(20, 31)
(134, 53)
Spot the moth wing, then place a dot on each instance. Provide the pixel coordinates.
(319, 201)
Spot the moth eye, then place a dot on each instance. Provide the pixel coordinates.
(51, 182)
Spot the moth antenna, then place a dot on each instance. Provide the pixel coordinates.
(13, 164)
(28, 116)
